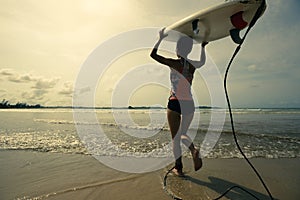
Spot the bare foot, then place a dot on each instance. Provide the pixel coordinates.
(178, 172)
(197, 160)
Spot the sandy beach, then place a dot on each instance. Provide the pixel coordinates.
(35, 175)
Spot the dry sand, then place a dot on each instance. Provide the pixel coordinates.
(34, 175)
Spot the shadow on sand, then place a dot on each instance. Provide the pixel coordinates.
(221, 186)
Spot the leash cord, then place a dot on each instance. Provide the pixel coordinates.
(258, 13)
(165, 185)
(253, 21)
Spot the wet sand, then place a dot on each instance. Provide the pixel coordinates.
(35, 175)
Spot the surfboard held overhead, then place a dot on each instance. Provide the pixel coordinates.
(216, 22)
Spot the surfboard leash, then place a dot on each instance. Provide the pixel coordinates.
(165, 186)
(258, 13)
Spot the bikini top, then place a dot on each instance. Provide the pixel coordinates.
(181, 81)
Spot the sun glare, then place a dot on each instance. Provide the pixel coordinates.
(103, 7)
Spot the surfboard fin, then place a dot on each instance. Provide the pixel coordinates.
(235, 35)
(195, 26)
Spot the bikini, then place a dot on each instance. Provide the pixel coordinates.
(181, 100)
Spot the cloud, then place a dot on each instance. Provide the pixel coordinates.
(43, 83)
(67, 89)
(84, 90)
(14, 76)
(38, 94)
(23, 78)
(6, 72)
(59, 38)
(34, 88)
(39, 82)
(252, 68)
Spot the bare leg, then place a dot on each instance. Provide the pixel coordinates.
(186, 140)
(174, 119)
(184, 125)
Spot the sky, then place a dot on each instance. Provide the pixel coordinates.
(44, 44)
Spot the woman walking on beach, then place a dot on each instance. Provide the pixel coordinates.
(181, 106)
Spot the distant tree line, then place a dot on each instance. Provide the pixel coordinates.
(6, 104)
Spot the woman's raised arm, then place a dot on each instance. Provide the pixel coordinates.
(154, 54)
(201, 62)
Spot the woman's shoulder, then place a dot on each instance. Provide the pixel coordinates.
(192, 63)
(174, 63)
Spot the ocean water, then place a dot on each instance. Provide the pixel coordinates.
(266, 133)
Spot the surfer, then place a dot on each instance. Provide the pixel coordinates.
(181, 106)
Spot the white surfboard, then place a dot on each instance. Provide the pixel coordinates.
(216, 22)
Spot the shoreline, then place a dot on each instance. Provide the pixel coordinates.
(38, 175)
